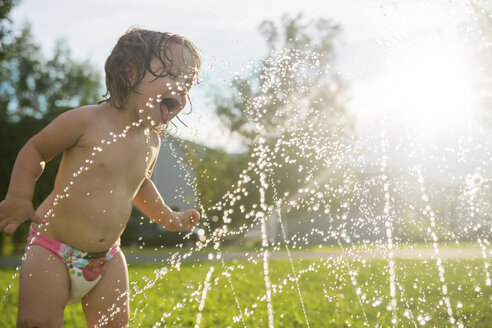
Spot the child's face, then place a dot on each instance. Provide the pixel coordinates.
(161, 98)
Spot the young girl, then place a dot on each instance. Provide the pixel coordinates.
(109, 152)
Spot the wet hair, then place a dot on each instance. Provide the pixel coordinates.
(130, 60)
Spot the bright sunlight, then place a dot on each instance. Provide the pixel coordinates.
(428, 87)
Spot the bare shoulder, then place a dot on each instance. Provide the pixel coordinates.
(71, 124)
(81, 115)
(64, 131)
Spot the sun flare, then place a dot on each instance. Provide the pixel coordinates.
(427, 88)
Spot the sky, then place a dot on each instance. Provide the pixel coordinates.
(408, 61)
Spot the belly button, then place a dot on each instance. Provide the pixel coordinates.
(101, 240)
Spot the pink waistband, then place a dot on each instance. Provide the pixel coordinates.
(37, 238)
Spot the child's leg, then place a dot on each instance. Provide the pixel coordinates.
(107, 304)
(43, 290)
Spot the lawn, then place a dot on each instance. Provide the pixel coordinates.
(334, 293)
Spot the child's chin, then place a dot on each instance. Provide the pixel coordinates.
(161, 128)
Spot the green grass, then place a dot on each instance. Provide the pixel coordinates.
(135, 250)
(315, 248)
(328, 293)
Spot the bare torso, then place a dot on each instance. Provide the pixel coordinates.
(89, 210)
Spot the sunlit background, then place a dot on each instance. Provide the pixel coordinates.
(410, 61)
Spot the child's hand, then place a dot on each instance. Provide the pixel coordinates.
(14, 211)
(180, 221)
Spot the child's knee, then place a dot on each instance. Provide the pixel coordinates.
(123, 318)
(118, 318)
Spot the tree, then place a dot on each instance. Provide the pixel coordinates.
(289, 112)
(216, 171)
(295, 80)
(5, 22)
(34, 86)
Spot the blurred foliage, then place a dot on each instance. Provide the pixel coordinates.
(5, 27)
(216, 173)
(297, 72)
(288, 112)
(481, 42)
(33, 91)
(33, 86)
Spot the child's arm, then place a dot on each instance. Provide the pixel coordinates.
(149, 202)
(59, 135)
